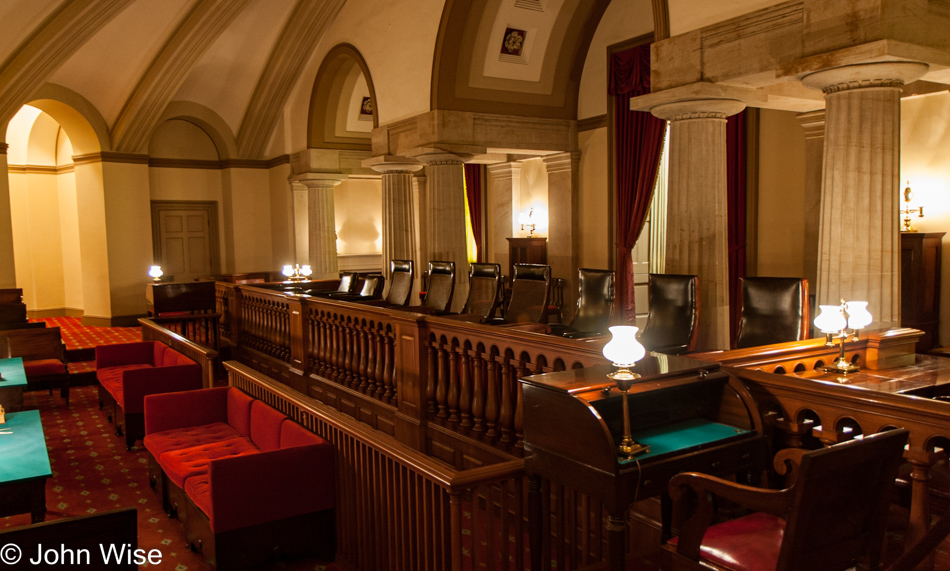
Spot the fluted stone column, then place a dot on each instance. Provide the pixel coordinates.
(813, 125)
(323, 254)
(301, 200)
(859, 243)
(398, 227)
(697, 238)
(445, 218)
(505, 185)
(420, 205)
(563, 231)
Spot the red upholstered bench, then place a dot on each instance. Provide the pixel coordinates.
(245, 480)
(129, 371)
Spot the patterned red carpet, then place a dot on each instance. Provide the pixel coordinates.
(78, 336)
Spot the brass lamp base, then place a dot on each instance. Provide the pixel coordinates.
(842, 367)
(625, 379)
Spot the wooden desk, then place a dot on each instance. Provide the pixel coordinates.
(12, 384)
(694, 416)
(24, 466)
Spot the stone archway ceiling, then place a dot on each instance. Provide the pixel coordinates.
(66, 29)
(513, 57)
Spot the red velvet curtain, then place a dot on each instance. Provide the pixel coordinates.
(638, 142)
(735, 204)
(473, 190)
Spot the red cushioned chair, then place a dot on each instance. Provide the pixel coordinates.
(43, 354)
(830, 519)
(127, 372)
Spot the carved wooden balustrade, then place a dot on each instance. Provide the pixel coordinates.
(202, 328)
(206, 357)
(265, 322)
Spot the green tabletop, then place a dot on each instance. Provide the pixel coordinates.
(23, 454)
(11, 373)
(694, 433)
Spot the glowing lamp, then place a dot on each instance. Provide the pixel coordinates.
(623, 350)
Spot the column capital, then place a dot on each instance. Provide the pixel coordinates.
(436, 157)
(893, 74)
(389, 164)
(698, 109)
(319, 180)
(503, 171)
(561, 161)
(813, 123)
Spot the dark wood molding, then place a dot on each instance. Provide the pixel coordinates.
(661, 19)
(110, 157)
(218, 165)
(278, 160)
(591, 123)
(40, 169)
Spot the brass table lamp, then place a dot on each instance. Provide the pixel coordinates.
(624, 351)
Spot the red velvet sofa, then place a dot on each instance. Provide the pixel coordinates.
(245, 480)
(129, 371)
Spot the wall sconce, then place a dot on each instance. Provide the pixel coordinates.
(297, 273)
(834, 321)
(624, 351)
(908, 196)
(527, 220)
(156, 273)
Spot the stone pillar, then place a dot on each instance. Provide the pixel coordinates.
(859, 243)
(563, 233)
(813, 124)
(301, 221)
(323, 255)
(445, 218)
(7, 272)
(697, 238)
(420, 205)
(505, 184)
(398, 227)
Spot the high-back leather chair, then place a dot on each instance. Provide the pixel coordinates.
(440, 288)
(530, 294)
(772, 310)
(595, 302)
(831, 518)
(673, 322)
(43, 354)
(372, 290)
(400, 282)
(484, 290)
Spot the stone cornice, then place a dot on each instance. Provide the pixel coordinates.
(388, 164)
(218, 165)
(194, 35)
(40, 169)
(299, 37)
(813, 124)
(591, 123)
(562, 162)
(865, 76)
(698, 109)
(108, 157)
(469, 134)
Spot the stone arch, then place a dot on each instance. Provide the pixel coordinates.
(208, 121)
(337, 84)
(87, 129)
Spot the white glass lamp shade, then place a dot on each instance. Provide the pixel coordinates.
(624, 350)
(858, 315)
(288, 270)
(305, 270)
(830, 320)
(155, 271)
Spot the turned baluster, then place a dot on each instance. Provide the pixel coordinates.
(335, 349)
(372, 358)
(478, 397)
(380, 360)
(465, 389)
(506, 414)
(443, 386)
(491, 407)
(453, 392)
(518, 421)
(320, 340)
(431, 375)
(390, 368)
(349, 338)
(364, 357)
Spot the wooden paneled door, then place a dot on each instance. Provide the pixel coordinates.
(185, 239)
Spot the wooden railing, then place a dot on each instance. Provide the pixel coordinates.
(202, 328)
(206, 357)
(399, 509)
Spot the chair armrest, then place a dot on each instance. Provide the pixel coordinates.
(169, 411)
(122, 354)
(137, 383)
(702, 486)
(285, 483)
(787, 462)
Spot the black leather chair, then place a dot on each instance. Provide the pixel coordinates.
(673, 322)
(440, 288)
(400, 282)
(484, 291)
(772, 310)
(530, 295)
(595, 302)
(372, 290)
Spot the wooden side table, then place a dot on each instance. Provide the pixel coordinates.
(920, 285)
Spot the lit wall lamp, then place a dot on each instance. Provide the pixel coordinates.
(624, 351)
(908, 196)
(834, 321)
(297, 273)
(527, 220)
(156, 273)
